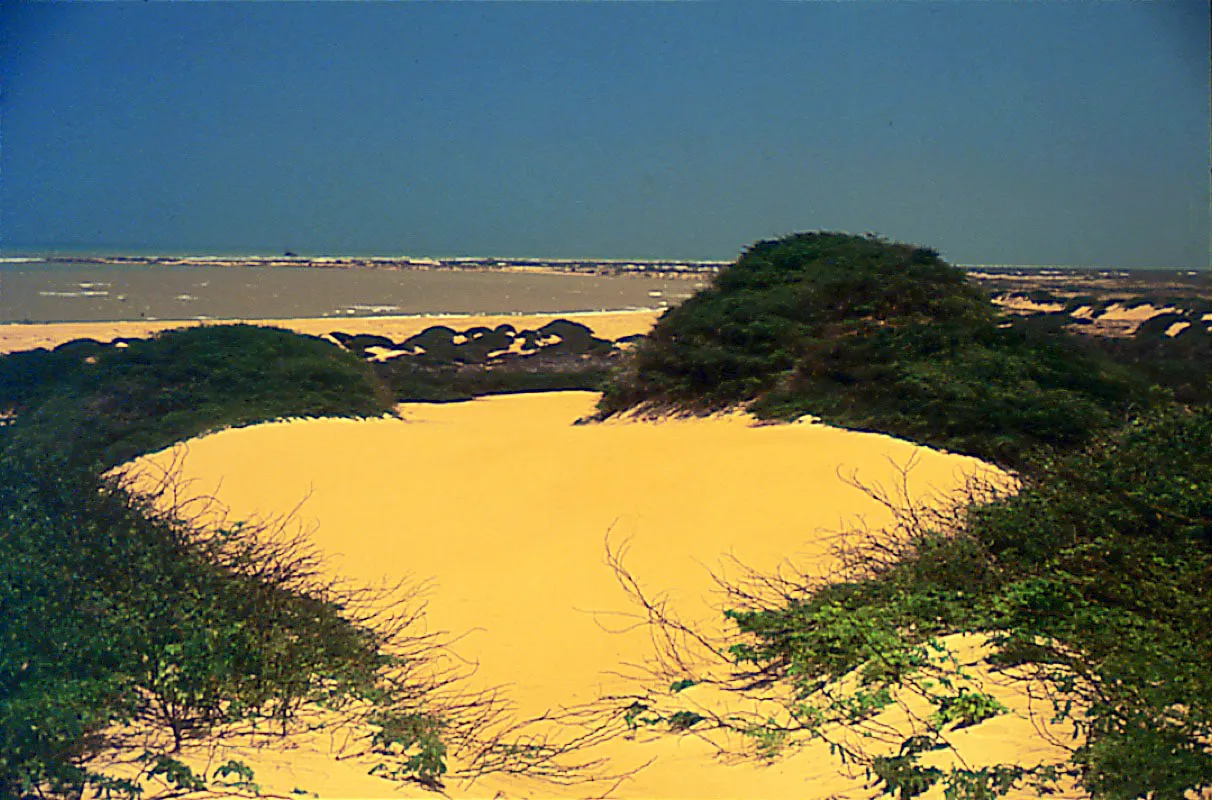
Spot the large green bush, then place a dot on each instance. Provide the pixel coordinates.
(871, 335)
(1092, 581)
(111, 404)
(127, 634)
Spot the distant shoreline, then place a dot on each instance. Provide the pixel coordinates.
(665, 268)
(605, 324)
(643, 266)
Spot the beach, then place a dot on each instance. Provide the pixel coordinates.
(566, 401)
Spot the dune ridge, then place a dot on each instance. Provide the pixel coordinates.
(606, 324)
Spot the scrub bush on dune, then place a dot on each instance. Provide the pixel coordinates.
(872, 335)
(116, 403)
(1087, 589)
(1090, 581)
(130, 634)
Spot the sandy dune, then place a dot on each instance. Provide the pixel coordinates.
(609, 325)
(1021, 305)
(506, 506)
(1114, 320)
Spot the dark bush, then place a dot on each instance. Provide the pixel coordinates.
(873, 335)
(121, 402)
(115, 612)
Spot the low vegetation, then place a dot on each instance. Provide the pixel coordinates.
(128, 633)
(410, 382)
(1179, 362)
(108, 404)
(1090, 584)
(875, 336)
(443, 365)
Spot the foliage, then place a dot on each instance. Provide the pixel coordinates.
(1093, 582)
(441, 364)
(412, 382)
(128, 633)
(1090, 584)
(872, 335)
(1181, 364)
(109, 404)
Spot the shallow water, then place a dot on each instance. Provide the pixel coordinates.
(67, 292)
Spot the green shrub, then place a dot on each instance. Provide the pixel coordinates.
(872, 335)
(113, 613)
(114, 404)
(1093, 579)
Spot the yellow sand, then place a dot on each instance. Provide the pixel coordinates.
(1115, 320)
(609, 325)
(1119, 320)
(1021, 305)
(1137, 314)
(507, 507)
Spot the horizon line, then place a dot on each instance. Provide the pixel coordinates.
(9, 254)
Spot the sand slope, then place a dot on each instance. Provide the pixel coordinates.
(506, 506)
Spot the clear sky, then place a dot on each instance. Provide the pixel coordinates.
(1029, 133)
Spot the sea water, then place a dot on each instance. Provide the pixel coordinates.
(36, 290)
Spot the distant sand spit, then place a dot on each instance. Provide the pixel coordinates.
(608, 325)
(506, 507)
(1116, 319)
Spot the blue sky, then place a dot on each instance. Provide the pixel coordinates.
(1033, 133)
